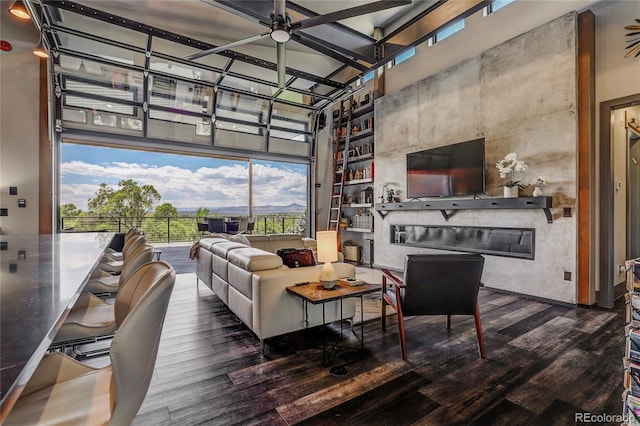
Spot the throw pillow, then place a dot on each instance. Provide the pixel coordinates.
(239, 238)
(295, 258)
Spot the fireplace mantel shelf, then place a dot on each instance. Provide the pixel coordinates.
(544, 203)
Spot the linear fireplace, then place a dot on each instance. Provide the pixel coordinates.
(510, 242)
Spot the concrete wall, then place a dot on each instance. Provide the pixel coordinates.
(19, 125)
(481, 33)
(521, 96)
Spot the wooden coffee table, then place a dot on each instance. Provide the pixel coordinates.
(316, 294)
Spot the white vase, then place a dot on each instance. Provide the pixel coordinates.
(537, 191)
(511, 192)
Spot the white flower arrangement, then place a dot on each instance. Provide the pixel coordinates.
(540, 181)
(508, 167)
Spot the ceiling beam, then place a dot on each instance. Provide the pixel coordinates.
(332, 54)
(426, 25)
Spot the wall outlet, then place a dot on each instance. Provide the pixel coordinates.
(566, 212)
(567, 276)
(4, 212)
(13, 190)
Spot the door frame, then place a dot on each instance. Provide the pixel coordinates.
(606, 225)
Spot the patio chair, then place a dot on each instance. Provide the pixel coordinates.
(243, 225)
(216, 225)
(202, 227)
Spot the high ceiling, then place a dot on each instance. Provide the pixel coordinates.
(325, 59)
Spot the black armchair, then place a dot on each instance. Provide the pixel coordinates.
(438, 284)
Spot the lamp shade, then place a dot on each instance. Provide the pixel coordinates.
(18, 9)
(40, 50)
(327, 246)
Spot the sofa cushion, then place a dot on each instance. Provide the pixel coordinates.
(295, 258)
(208, 242)
(257, 238)
(223, 249)
(239, 238)
(254, 259)
(310, 243)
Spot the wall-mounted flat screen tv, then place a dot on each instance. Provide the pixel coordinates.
(446, 171)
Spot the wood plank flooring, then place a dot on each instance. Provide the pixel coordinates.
(544, 363)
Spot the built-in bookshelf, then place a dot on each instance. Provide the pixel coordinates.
(354, 153)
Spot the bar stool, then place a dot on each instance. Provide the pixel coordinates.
(65, 391)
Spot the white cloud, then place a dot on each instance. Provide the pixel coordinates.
(184, 188)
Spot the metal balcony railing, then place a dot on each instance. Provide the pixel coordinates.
(178, 228)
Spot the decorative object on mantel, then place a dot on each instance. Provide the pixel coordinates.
(507, 168)
(538, 183)
(634, 40)
(511, 191)
(390, 195)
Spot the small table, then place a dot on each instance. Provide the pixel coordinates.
(316, 294)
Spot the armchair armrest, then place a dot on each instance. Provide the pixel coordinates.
(396, 281)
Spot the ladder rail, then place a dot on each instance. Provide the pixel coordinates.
(339, 170)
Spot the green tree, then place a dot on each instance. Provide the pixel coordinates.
(69, 210)
(202, 212)
(166, 210)
(129, 201)
(69, 216)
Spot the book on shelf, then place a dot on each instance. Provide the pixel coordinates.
(632, 301)
(632, 267)
(632, 377)
(631, 409)
(633, 343)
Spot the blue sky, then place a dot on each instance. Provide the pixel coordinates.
(184, 181)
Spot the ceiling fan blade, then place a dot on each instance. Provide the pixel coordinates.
(228, 46)
(349, 13)
(282, 65)
(635, 50)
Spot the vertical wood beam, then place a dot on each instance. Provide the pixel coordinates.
(378, 76)
(585, 276)
(45, 164)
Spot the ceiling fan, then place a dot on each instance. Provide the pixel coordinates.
(281, 28)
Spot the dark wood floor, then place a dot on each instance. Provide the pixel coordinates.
(544, 364)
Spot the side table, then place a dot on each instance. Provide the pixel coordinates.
(316, 294)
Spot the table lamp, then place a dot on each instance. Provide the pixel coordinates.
(327, 253)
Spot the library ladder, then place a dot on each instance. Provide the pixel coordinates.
(339, 167)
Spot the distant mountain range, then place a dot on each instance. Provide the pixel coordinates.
(242, 210)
